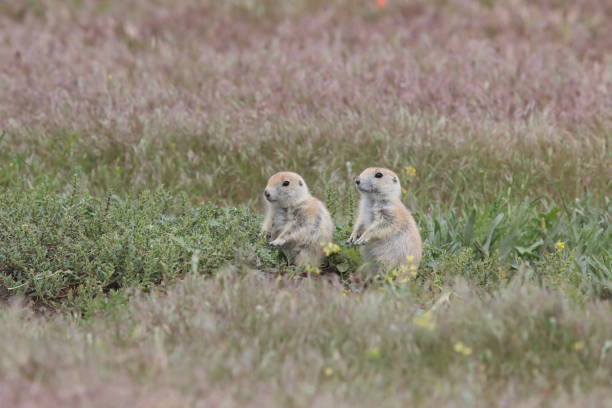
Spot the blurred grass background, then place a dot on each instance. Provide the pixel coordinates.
(135, 141)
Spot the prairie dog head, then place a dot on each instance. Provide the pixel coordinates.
(378, 181)
(285, 189)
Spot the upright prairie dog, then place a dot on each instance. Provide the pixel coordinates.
(384, 226)
(295, 220)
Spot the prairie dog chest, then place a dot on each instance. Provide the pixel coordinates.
(375, 210)
(279, 220)
(366, 211)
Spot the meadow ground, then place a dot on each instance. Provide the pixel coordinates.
(135, 140)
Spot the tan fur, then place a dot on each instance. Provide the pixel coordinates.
(295, 220)
(384, 227)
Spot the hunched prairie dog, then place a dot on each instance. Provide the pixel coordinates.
(384, 226)
(295, 220)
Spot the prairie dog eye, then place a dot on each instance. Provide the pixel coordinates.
(378, 175)
(285, 183)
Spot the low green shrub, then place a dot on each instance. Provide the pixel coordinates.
(78, 250)
(59, 248)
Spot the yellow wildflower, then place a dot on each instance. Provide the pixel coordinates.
(409, 171)
(312, 270)
(425, 321)
(404, 191)
(462, 349)
(331, 248)
(373, 353)
(560, 245)
(579, 345)
(391, 275)
(328, 371)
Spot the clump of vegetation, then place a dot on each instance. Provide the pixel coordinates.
(73, 249)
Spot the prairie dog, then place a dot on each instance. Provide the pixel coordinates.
(295, 220)
(384, 226)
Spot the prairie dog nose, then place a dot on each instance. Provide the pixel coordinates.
(267, 193)
(357, 181)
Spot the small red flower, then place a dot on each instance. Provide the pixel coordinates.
(381, 3)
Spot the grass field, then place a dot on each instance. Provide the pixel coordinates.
(136, 139)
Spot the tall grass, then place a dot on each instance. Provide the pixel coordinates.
(253, 341)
